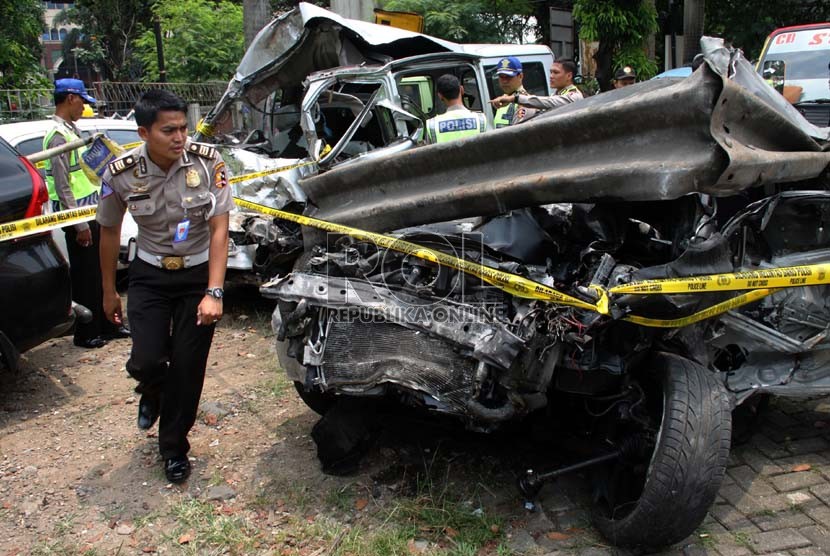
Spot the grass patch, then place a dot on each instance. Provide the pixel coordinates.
(341, 498)
(211, 529)
(742, 538)
(64, 524)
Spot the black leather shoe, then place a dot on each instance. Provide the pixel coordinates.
(91, 343)
(122, 332)
(177, 469)
(148, 411)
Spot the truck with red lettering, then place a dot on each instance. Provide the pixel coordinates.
(805, 53)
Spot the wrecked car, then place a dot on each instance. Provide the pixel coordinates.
(316, 91)
(637, 264)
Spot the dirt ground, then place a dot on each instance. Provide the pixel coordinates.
(78, 477)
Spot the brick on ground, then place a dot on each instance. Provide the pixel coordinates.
(781, 520)
(784, 501)
(822, 492)
(796, 481)
(819, 536)
(732, 519)
(780, 418)
(772, 541)
(769, 448)
(813, 459)
(807, 445)
(759, 462)
(726, 545)
(820, 515)
(749, 480)
(739, 498)
(809, 551)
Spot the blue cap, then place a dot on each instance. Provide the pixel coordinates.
(74, 86)
(509, 66)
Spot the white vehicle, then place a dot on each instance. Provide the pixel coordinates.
(27, 138)
(316, 92)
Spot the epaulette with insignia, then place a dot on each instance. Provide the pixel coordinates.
(120, 164)
(201, 149)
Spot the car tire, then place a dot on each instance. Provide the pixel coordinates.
(687, 464)
(9, 356)
(318, 402)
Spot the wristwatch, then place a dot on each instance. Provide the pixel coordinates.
(216, 293)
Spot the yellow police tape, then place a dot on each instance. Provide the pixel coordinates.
(522, 287)
(789, 276)
(39, 224)
(511, 283)
(761, 282)
(263, 173)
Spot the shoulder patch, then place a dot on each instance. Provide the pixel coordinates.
(120, 164)
(202, 150)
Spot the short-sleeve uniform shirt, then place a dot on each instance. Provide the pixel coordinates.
(164, 204)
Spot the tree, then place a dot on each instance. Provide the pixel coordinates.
(622, 28)
(747, 29)
(114, 24)
(20, 48)
(202, 40)
(478, 21)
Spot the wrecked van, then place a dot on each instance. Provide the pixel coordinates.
(637, 264)
(316, 91)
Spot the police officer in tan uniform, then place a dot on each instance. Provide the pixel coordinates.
(178, 194)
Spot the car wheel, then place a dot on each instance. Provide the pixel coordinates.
(9, 356)
(658, 495)
(319, 402)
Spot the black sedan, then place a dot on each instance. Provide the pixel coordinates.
(35, 290)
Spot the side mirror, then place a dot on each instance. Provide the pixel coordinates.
(774, 73)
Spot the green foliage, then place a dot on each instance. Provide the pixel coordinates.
(478, 21)
(622, 28)
(747, 28)
(19, 46)
(202, 41)
(111, 26)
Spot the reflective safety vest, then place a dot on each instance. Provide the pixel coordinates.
(455, 124)
(569, 89)
(78, 181)
(504, 115)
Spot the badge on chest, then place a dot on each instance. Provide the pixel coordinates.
(182, 229)
(192, 178)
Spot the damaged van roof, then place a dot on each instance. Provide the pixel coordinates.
(310, 38)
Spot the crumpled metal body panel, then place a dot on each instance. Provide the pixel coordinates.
(656, 140)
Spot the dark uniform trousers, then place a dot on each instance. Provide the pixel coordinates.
(170, 351)
(85, 273)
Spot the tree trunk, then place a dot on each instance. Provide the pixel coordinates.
(256, 14)
(692, 28)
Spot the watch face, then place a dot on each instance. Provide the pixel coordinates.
(215, 292)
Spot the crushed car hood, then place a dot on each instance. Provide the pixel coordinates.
(717, 132)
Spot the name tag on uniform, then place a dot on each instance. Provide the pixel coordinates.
(182, 228)
(461, 124)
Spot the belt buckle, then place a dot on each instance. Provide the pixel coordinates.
(172, 263)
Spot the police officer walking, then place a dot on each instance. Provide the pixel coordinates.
(457, 121)
(178, 194)
(69, 187)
